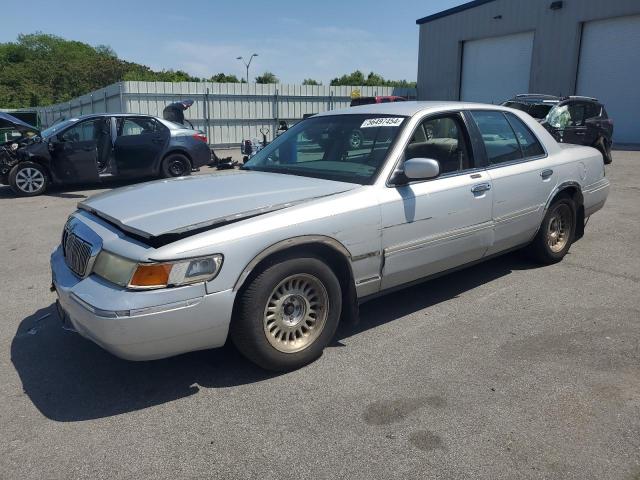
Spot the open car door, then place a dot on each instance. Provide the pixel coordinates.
(75, 151)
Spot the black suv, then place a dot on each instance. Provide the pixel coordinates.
(579, 120)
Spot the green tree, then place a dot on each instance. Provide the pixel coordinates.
(224, 78)
(311, 81)
(267, 77)
(357, 78)
(40, 69)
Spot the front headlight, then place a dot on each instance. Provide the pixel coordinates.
(144, 276)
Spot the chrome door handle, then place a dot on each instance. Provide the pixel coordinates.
(481, 187)
(546, 173)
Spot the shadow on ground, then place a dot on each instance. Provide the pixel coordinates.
(71, 379)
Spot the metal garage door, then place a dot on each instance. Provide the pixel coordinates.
(610, 70)
(495, 69)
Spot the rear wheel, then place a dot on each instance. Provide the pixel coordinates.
(175, 165)
(288, 314)
(556, 234)
(28, 179)
(606, 152)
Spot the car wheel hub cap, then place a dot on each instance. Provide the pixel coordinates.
(29, 180)
(559, 229)
(296, 313)
(176, 168)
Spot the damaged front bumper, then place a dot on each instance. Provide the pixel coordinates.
(141, 325)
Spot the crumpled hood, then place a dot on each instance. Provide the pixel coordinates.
(9, 121)
(182, 205)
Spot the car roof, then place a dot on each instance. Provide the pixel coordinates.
(534, 99)
(408, 108)
(94, 115)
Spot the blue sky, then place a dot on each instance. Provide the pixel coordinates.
(294, 39)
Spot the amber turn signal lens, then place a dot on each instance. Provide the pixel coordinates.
(151, 275)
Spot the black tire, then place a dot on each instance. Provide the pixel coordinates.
(552, 229)
(175, 165)
(606, 153)
(28, 179)
(249, 326)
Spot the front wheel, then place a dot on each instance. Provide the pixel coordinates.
(28, 179)
(175, 165)
(556, 234)
(288, 314)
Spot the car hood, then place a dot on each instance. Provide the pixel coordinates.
(188, 205)
(9, 121)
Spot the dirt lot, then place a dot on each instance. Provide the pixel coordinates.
(501, 371)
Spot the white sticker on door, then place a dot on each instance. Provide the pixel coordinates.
(382, 122)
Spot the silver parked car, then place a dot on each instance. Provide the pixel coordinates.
(275, 254)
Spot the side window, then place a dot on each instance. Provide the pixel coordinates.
(592, 110)
(528, 142)
(577, 114)
(87, 131)
(443, 139)
(136, 126)
(500, 141)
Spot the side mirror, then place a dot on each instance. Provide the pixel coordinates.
(421, 168)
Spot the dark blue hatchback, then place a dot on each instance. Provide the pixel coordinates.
(96, 147)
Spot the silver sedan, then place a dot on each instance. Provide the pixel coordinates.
(274, 255)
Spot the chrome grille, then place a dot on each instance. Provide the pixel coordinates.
(77, 252)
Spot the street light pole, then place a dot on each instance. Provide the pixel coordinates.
(247, 64)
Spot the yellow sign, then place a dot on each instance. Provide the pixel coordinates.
(355, 93)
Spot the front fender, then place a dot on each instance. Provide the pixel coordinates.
(286, 244)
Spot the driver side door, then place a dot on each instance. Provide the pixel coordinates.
(576, 131)
(429, 226)
(74, 151)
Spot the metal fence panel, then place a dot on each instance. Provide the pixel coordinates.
(226, 112)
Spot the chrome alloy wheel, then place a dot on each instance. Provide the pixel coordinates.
(29, 179)
(296, 313)
(559, 228)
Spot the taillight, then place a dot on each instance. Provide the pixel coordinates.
(200, 136)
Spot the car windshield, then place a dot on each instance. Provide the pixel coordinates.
(53, 129)
(347, 148)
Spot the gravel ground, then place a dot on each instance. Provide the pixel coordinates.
(501, 371)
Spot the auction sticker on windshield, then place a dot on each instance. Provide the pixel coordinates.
(382, 122)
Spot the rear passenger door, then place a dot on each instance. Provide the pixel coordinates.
(430, 226)
(140, 142)
(520, 175)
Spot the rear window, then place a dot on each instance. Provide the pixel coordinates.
(528, 142)
(540, 111)
(536, 110)
(362, 101)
